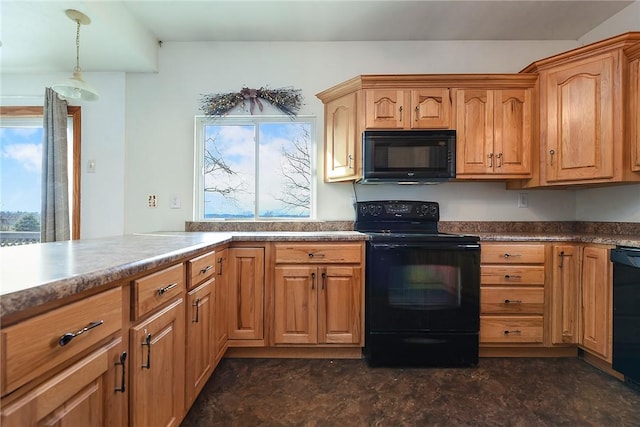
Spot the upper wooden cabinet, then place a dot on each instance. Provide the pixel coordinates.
(342, 152)
(501, 126)
(588, 98)
(634, 107)
(493, 133)
(428, 108)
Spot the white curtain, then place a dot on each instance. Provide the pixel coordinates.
(55, 224)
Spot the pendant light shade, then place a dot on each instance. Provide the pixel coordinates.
(75, 87)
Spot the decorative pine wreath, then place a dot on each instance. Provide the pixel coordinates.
(287, 100)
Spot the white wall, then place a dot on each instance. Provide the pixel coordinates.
(103, 140)
(161, 109)
(140, 133)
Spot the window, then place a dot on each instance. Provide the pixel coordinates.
(254, 167)
(21, 135)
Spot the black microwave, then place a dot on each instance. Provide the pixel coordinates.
(408, 156)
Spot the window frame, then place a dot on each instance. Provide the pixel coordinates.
(75, 113)
(201, 121)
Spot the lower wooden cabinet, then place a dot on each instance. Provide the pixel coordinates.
(200, 353)
(246, 296)
(597, 288)
(512, 294)
(220, 307)
(157, 368)
(565, 294)
(91, 392)
(317, 305)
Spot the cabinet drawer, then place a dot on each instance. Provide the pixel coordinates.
(511, 300)
(511, 329)
(33, 347)
(318, 253)
(512, 254)
(201, 268)
(152, 291)
(512, 275)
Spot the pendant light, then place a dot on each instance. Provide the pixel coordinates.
(75, 87)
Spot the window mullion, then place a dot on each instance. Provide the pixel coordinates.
(256, 146)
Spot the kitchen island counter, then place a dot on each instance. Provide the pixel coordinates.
(32, 275)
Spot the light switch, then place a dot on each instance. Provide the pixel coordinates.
(174, 202)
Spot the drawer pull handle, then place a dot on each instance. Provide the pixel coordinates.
(123, 357)
(508, 255)
(514, 277)
(561, 259)
(324, 279)
(516, 332)
(166, 289)
(66, 338)
(513, 301)
(196, 304)
(147, 343)
(220, 268)
(205, 269)
(319, 255)
(313, 280)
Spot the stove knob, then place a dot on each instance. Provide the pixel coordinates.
(424, 209)
(433, 210)
(378, 209)
(372, 209)
(363, 209)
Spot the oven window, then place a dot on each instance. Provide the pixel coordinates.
(424, 286)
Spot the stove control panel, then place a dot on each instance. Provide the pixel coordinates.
(398, 210)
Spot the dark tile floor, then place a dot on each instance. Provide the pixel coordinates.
(499, 392)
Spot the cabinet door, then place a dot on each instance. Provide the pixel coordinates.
(246, 290)
(158, 369)
(474, 137)
(565, 294)
(82, 395)
(596, 301)
(385, 109)
(634, 113)
(341, 139)
(295, 305)
(200, 356)
(431, 108)
(340, 305)
(512, 131)
(580, 120)
(221, 308)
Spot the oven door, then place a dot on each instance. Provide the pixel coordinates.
(422, 287)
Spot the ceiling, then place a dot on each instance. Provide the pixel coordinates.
(37, 36)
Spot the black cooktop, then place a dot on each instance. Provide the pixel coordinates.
(403, 220)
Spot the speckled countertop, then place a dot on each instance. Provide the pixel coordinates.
(36, 274)
(32, 275)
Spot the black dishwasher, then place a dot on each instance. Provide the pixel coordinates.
(626, 313)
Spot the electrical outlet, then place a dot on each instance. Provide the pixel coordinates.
(523, 200)
(152, 201)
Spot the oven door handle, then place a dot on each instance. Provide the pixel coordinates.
(439, 246)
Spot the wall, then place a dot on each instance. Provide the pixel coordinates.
(161, 109)
(140, 133)
(103, 140)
